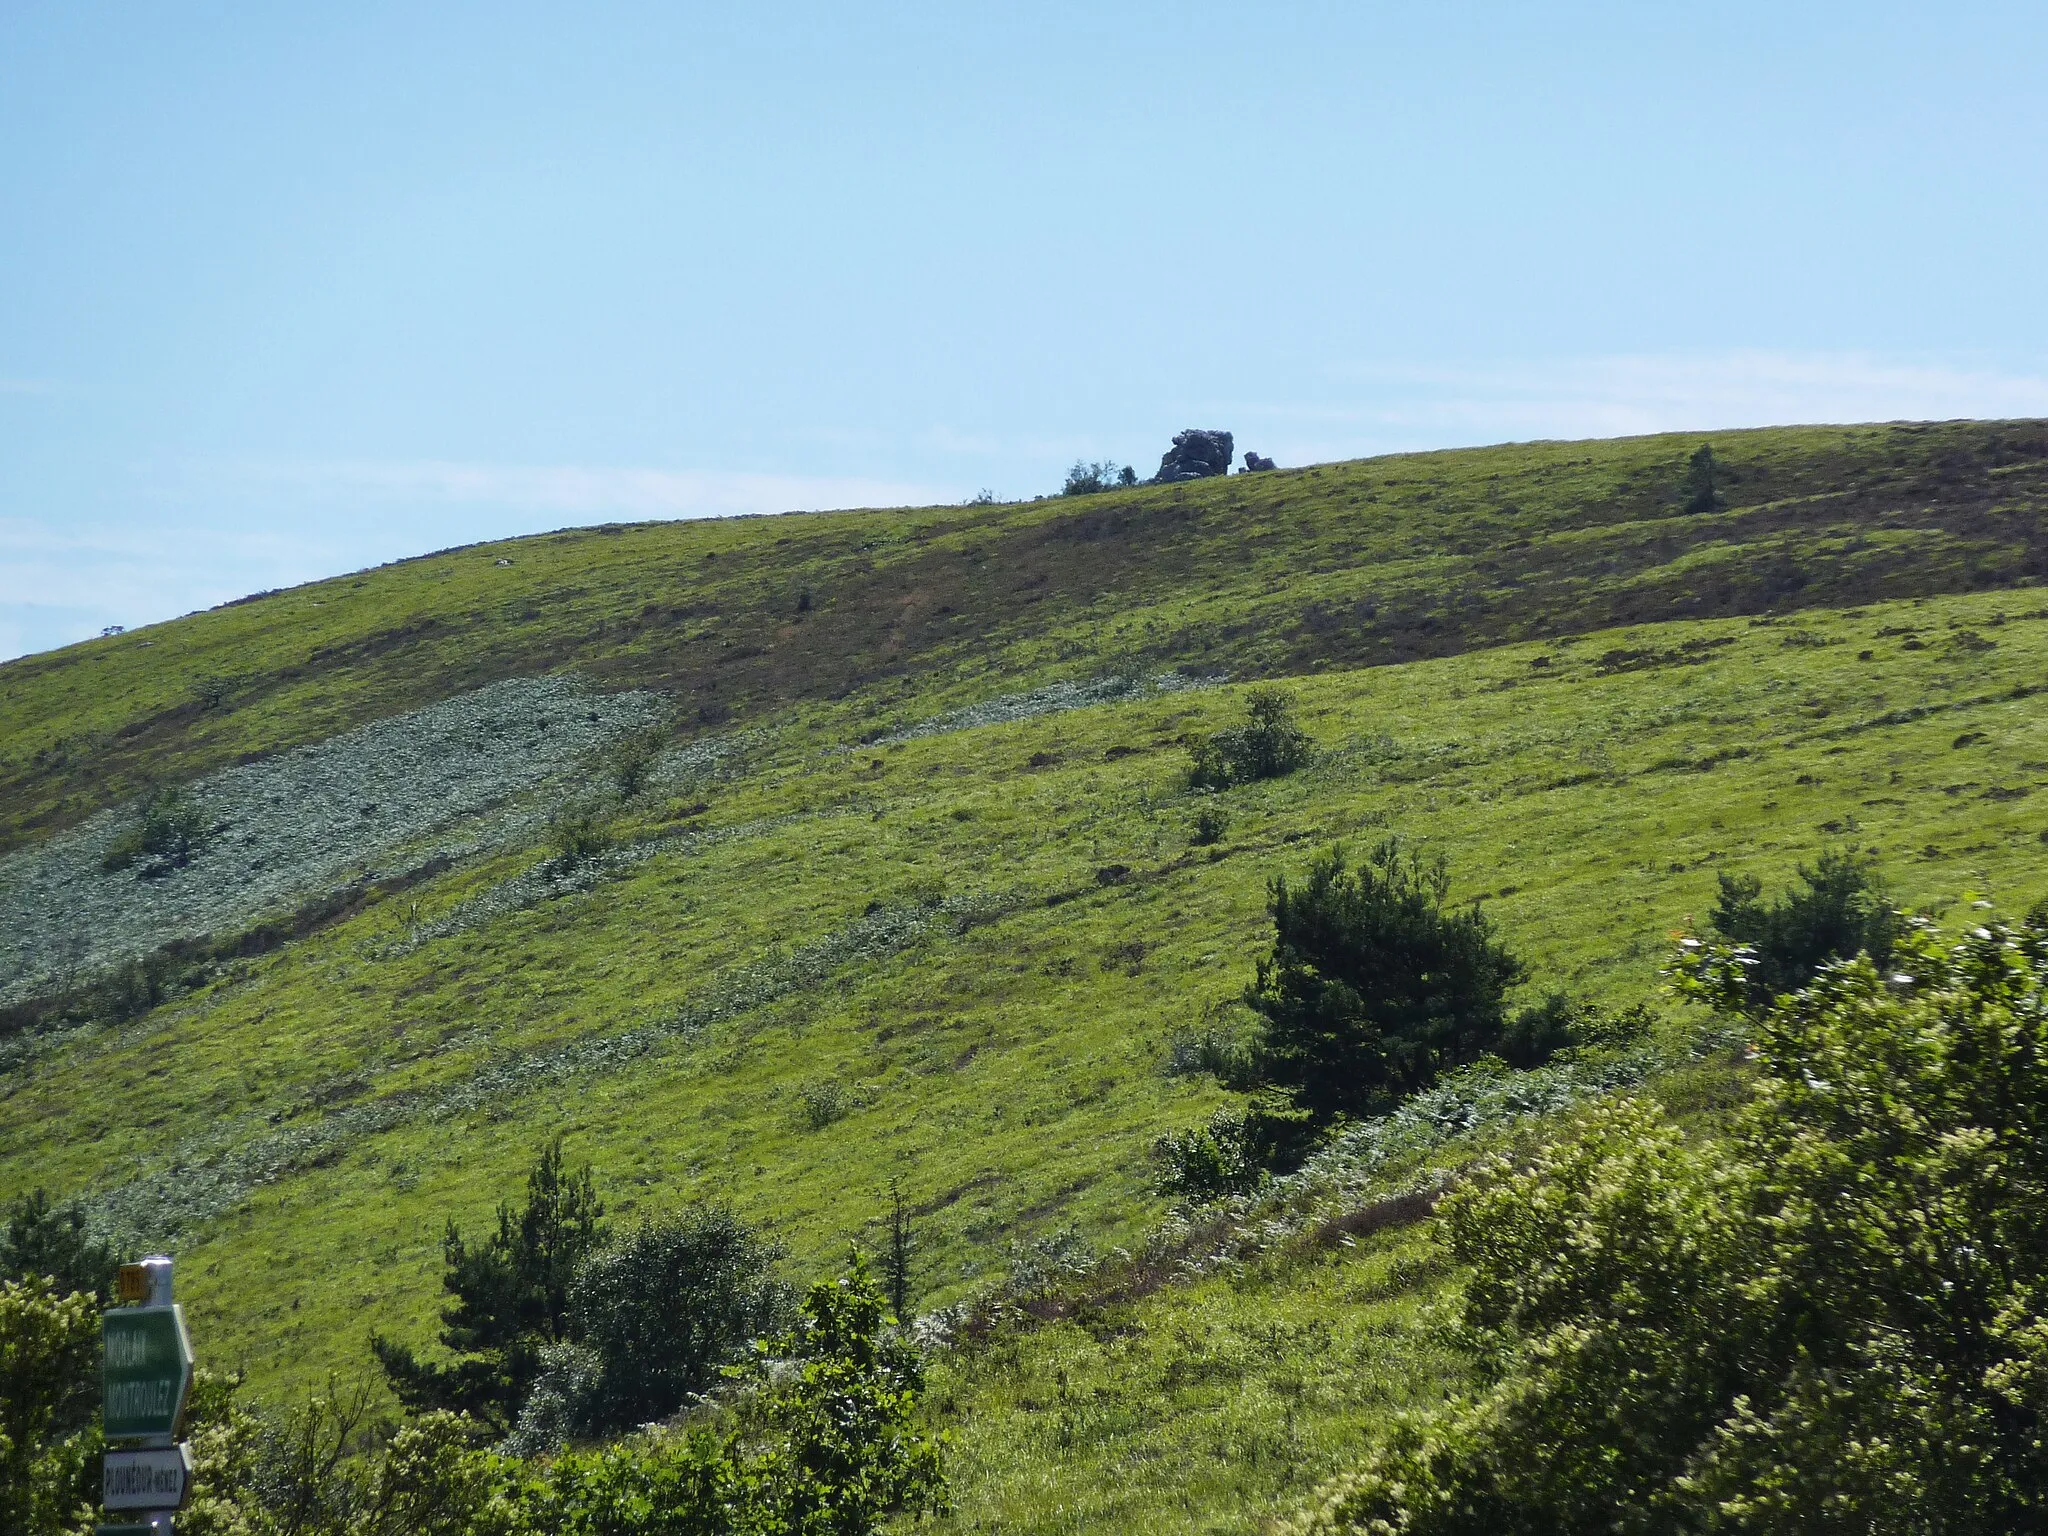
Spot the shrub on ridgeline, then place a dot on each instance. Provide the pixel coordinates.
(1374, 986)
(1838, 909)
(1085, 479)
(511, 1300)
(1700, 492)
(1269, 745)
(1835, 1319)
(51, 1241)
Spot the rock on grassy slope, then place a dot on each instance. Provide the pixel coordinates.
(863, 928)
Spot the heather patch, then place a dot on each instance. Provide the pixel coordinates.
(273, 831)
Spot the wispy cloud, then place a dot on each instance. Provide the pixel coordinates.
(1619, 396)
(580, 491)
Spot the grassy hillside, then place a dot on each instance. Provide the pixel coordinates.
(1384, 560)
(914, 892)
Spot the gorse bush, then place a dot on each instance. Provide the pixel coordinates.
(833, 1437)
(632, 759)
(1223, 1157)
(1374, 986)
(824, 1102)
(1269, 745)
(1839, 908)
(511, 1300)
(1234, 1059)
(1834, 1320)
(822, 1439)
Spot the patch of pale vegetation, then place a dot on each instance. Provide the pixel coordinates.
(1117, 688)
(264, 834)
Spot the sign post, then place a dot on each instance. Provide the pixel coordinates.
(148, 1377)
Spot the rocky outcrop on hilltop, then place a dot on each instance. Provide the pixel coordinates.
(1195, 455)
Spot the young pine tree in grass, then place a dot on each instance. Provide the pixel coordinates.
(1374, 986)
(511, 1299)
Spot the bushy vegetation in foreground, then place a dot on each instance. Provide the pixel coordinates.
(1835, 1318)
(818, 1436)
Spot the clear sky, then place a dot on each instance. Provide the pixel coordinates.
(287, 290)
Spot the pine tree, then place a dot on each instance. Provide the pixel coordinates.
(896, 1264)
(511, 1299)
(1374, 986)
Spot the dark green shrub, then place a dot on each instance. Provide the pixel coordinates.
(1211, 822)
(1374, 986)
(632, 759)
(511, 1300)
(1234, 1153)
(1233, 1059)
(897, 1256)
(1269, 745)
(1212, 1160)
(578, 834)
(1835, 1319)
(835, 1446)
(1533, 1035)
(663, 1310)
(824, 1102)
(1839, 908)
(1699, 491)
(168, 832)
(51, 1241)
(682, 1485)
(826, 1443)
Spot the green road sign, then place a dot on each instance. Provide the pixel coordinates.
(148, 1371)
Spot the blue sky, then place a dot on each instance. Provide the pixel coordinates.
(290, 290)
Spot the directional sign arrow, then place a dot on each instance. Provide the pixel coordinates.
(148, 1371)
(152, 1479)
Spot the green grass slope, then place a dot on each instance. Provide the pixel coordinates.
(828, 952)
(1378, 561)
